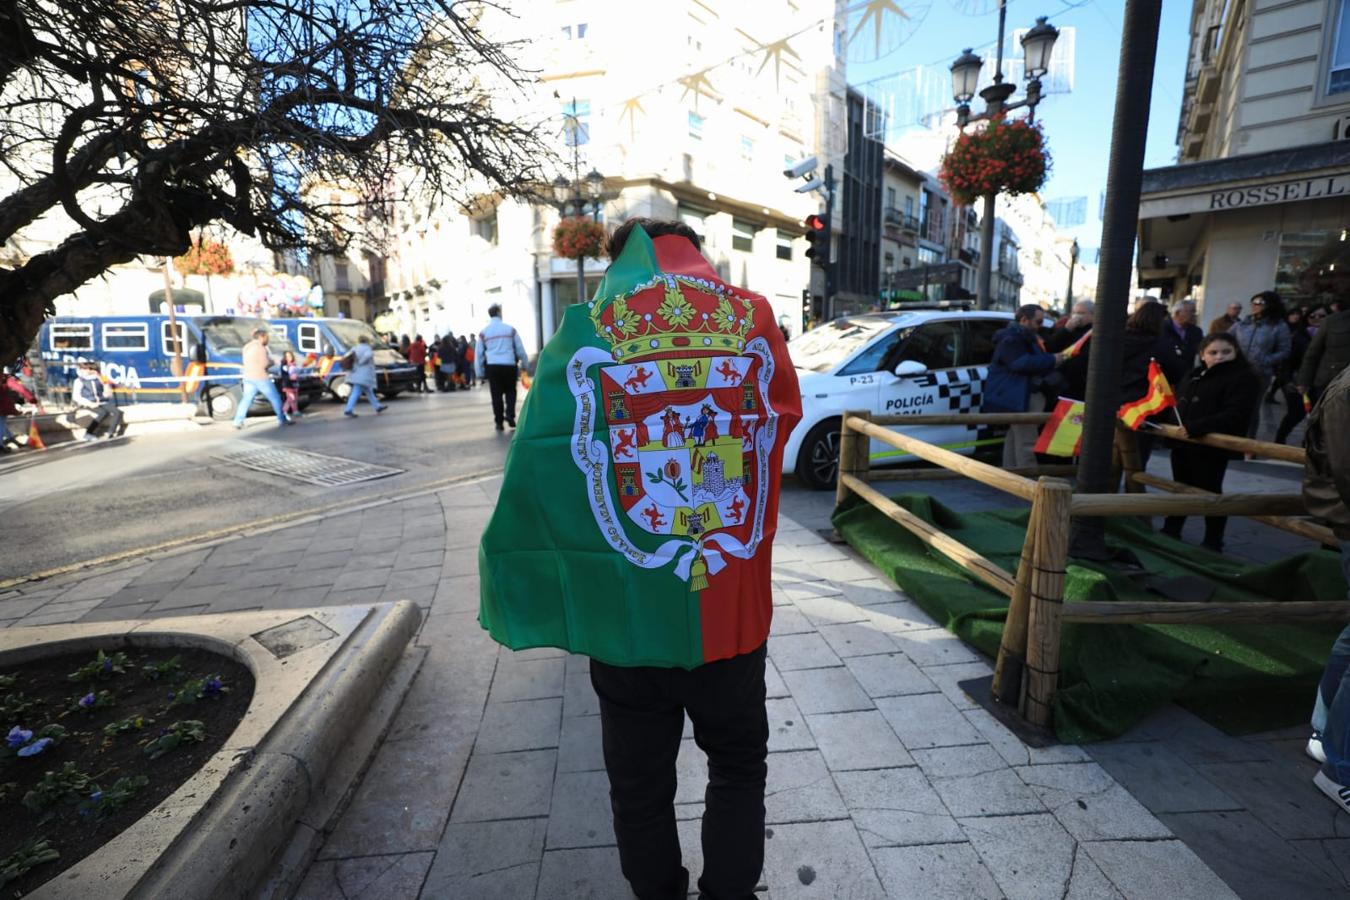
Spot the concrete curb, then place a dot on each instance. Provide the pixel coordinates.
(244, 825)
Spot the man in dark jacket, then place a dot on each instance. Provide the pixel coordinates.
(1019, 359)
(1326, 491)
(1327, 355)
(1185, 333)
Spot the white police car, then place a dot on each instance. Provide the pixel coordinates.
(929, 358)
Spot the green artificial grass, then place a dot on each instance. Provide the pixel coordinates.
(1241, 678)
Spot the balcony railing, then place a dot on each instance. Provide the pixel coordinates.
(891, 216)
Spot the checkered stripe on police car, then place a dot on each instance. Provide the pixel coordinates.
(959, 390)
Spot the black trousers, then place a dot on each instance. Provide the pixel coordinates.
(502, 385)
(642, 719)
(1200, 467)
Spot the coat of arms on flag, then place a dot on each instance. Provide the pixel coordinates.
(683, 400)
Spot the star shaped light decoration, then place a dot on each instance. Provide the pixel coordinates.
(631, 108)
(698, 83)
(775, 52)
(878, 12)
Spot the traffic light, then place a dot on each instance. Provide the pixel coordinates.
(817, 239)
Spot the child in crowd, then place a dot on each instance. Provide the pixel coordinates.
(290, 384)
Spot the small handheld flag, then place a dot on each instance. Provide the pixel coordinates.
(1062, 434)
(1307, 404)
(1158, 398)
(1077, 346)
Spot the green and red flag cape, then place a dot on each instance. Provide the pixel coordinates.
(640, 496)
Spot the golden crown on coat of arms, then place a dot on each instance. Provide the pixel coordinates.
(674, 312)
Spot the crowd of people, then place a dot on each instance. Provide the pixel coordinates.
(1220, 379)
(448, 359)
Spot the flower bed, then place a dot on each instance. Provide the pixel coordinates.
(93, 741)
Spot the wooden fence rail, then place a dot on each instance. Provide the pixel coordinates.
(1027, 669)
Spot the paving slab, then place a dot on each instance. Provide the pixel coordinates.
(506, 786)
(787, 726)
(579, 745)
(580, 815)
(800, 789)
(1244, 852)
(826, 690)
(527, 680)
(891, 807)
(403, 802)
(857, 740)
(975, 781)
(1030, 856)
(801, 651)
(1161, 780)
(590, 873)
(1163, 868)
(520, 725)
(392, 877)
(857, 639)
(934, 872)
(928, 720)
(487, 860)
(818, 861)
(889, 675)
(1090, 804)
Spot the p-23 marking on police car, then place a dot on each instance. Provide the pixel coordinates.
(920, 360)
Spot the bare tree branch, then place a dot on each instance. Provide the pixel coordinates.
(137, 129)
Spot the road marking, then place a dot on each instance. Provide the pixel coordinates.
(268, 524)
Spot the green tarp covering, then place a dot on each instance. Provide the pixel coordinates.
(1242, 678)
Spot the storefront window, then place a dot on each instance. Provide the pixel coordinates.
(1313, 267)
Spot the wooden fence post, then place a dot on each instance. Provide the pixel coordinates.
(1047, 597)
(1012, 650)
(855, 456)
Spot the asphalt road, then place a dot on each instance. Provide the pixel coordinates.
(88, 502)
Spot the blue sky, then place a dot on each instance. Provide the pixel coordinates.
(1077, 124)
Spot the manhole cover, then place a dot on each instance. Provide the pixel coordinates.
(312, 468)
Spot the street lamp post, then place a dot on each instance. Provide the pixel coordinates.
(1073, 264)
(1037, 44)
(585, 195)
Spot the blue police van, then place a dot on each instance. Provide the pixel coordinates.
(136, 354)
(321, 342)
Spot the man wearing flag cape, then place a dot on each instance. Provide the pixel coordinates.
(634, 526)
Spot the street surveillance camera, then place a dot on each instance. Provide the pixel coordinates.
(814, 184)
(801, 168)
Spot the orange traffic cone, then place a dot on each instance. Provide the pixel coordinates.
(34, 439)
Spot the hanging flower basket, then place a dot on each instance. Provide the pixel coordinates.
(577, 237)
(205, 257)
(1005, 157)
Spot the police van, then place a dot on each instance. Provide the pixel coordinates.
(136, 354)
(929, 358)
(322, 342)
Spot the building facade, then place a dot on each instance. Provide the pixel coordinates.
(929, 245)
(680, 134)
(1258, 198)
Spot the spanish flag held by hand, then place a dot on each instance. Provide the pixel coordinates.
(1062, 434)
(1158, 398)
(1077, 346)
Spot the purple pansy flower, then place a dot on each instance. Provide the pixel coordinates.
(87, 701)
(212, 687)
(18, 737)
(36, 747)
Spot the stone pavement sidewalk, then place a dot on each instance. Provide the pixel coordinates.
(885, 779)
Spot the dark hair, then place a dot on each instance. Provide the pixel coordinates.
(1028, 310)
(1274, 306)
(655, 228)
(286, 353)
(494, 311)
(1151, 318)
(1227, 339)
